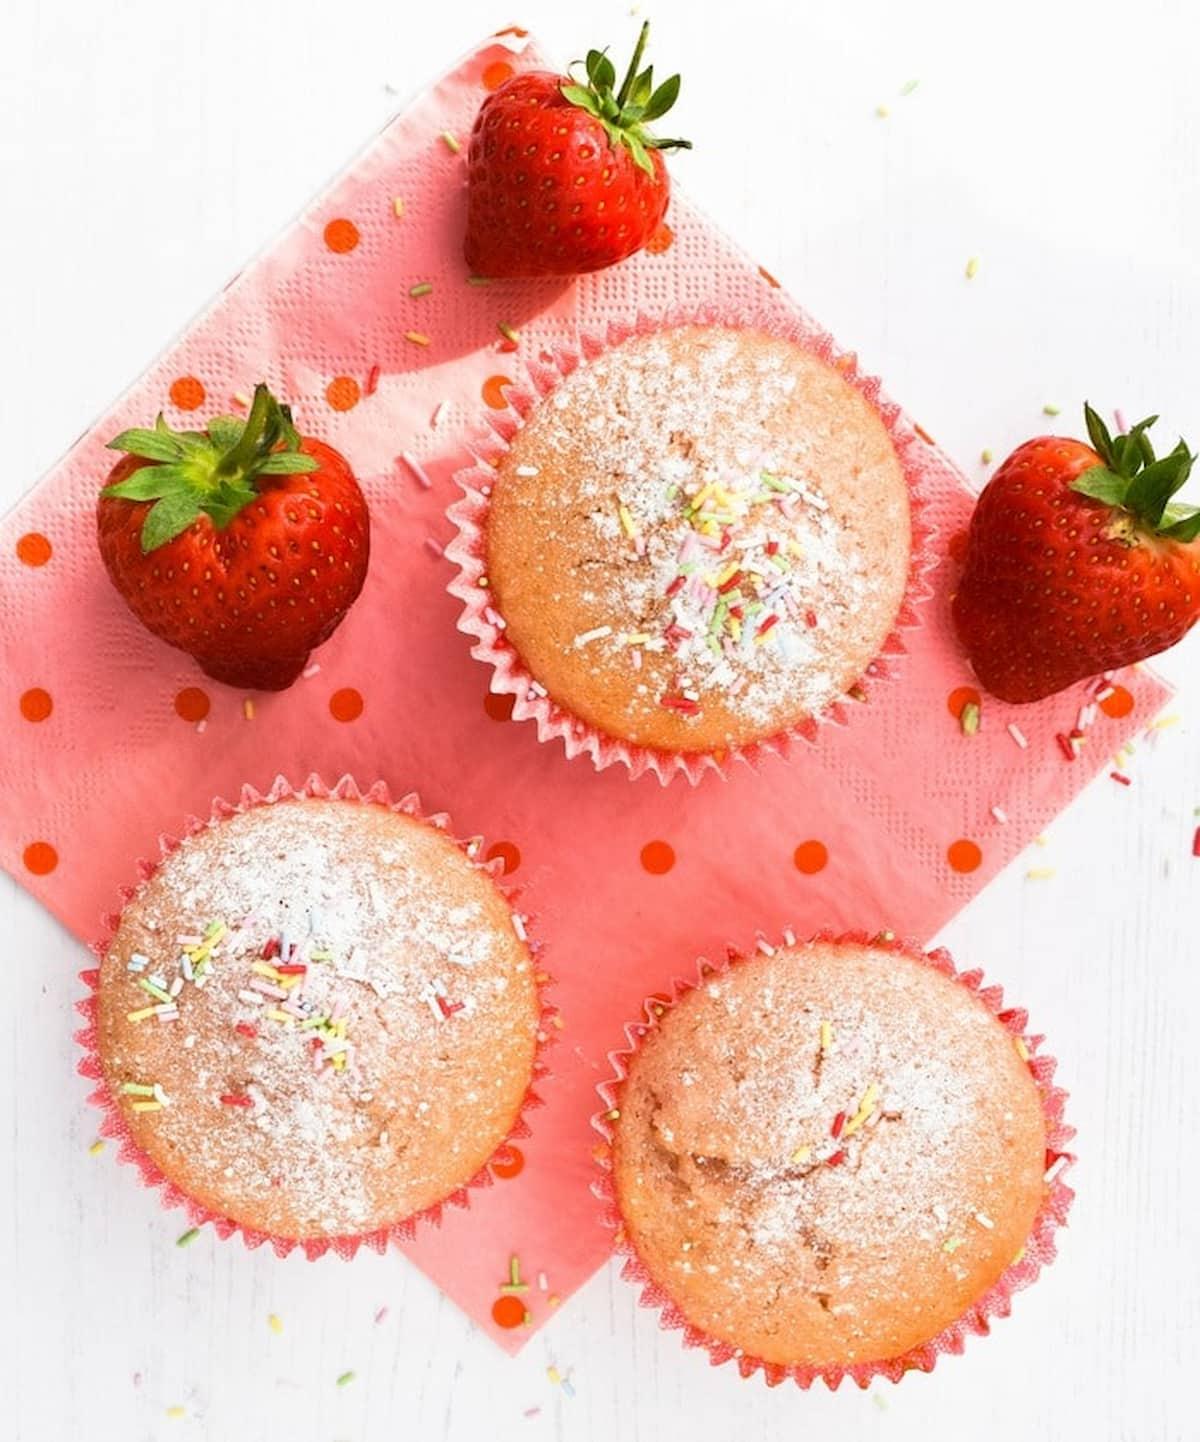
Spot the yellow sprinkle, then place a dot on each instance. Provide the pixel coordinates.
(698, 500)
(510, 333)
(276, 1015)
(1020, 1257)
(275, 1324)
(1040, 841)
(176, 1412)
(730, 570)
(1162, 722)
(558, 1023)
(1021, 1049)
(554, 1374)
(450, 141)
(796, 549)
(627, 524)
(735, 628)
(1051, 410)
(398, 207)
(552, 1300)
(140, 1015)
(826, 1037)
(147, 1106)
(865, 1108)
(1040, 873)
(639, 638)
(264, 968)
(882, 111)
(416, 337)
(240, 398)
(985, 456)
(248, 709)
(339, 1061)
(972, 267)
(96, 1148)
(801, 1154)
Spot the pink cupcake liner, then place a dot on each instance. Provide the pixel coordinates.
(114, 1126)
(535, 379)
(1039, 1250)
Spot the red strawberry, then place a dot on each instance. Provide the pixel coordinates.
(564, 178)
(241, 544)
(1077, 562)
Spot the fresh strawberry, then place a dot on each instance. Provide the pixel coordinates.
(1078, 562)
(241, 544)
(564, 177)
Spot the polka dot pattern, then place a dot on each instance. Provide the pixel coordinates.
(192, 704)
(506, 852)
(496, 74)
(346, 704)
(1119, 703)
(964, 855)
(40, 858)
(341, 235)
(810, 857)
(658, 857)
(343, 393)
(960, 698)
(36, 704)
(508, 1311)
(33, 549)
(509, 1162)
(493, 392)
(187, 393)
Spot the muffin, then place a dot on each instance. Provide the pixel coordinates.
(828, 1156)
(317, 1018)
(699, 540)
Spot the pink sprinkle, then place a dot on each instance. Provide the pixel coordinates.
(372, 381)
(418, 471)
(810, 618)
(1018, 735)
(999, 813)
(1196, 842)
(1119, 417)
(381, 1315)
(261, 984)
(1105, 691)
(1124, 780)
(439, 411)
(433, 547)
(533, 1411)
(310, 671)
(1065, 746)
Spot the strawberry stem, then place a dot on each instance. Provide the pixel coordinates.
(631, 73)
(1131, 477)
(213, 473)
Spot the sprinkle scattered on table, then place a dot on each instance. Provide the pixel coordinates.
(450, 141)
(909, 86)
(1049, 409)
(274, 1323)
(882, 111)
(1040, 873)
(176, 1412)
(96, 1147)
(185, 1239)
(985, 456)
(381, 1315)
(346, 1378)
(972, 269)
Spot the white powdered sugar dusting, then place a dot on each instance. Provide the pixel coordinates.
(331, 1018)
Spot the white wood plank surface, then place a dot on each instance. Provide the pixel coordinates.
(147, 147)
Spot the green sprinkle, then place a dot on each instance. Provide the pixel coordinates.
(185, 1239)
(985, 456)
(973, 267)
(909, 86)
(155, 991)
(96, 1148)
(880, 1401)
(508, 332)
(773, 483)
(416, 291)
(969, 718)
(951, 1244)
(346, 1378)
(450, 141)
(137, 1089)
(479, 280)
(1051, 410)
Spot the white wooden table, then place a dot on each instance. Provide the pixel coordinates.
(147, 147)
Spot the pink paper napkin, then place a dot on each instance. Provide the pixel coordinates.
(627, 881)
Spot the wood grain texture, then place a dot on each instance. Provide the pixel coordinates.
(142, 168)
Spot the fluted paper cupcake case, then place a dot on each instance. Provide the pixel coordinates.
(510, 676)
(1039, 1250)
(113, 1125)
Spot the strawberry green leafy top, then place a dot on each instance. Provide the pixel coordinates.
(625, 115)
(211, 472)
(1133, 478)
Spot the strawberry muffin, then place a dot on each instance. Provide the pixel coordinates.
(318, 1018)
(827, 1155)
(700, 539)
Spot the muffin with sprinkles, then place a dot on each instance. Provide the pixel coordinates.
(832, 1159)
(317, 1018)
(699, 540)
